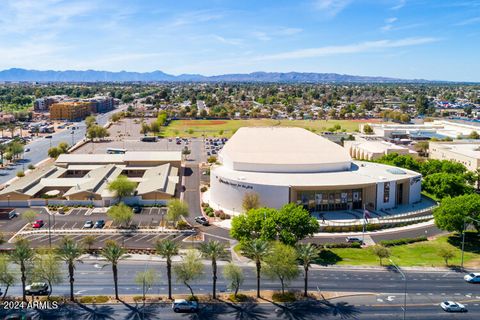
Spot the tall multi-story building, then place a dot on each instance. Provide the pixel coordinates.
(43, 104)
(72, 111)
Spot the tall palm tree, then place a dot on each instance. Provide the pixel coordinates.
(70, 252)
(167, 249)
(306, 253)
(256, 250)
(213, 250)
(22, 255)
(113, 252)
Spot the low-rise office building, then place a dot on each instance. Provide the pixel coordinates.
(284, 165)
(84, 179)
(466, 152)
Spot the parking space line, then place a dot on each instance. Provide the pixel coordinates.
(74, 224)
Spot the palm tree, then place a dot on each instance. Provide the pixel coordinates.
(22, 255)
(256, 250)
(3, 149)
(89, 241)
(70, 252)
(113, 252)
(307, 253)
(167, 249)
(213, 250)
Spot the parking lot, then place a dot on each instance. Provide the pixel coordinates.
(128, 240)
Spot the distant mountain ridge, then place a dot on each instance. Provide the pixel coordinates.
(22, 75)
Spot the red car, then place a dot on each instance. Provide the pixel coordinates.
(37, 224)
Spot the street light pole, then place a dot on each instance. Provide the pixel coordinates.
(49, 234)
(405, 289)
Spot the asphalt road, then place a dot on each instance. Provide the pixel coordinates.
(94, 277)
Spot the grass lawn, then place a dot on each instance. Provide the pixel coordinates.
(225, 128)
(425, 254)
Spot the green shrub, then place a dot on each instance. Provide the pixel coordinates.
(402, 241)
(355, 245)
(203, 189)
(182, 225)
(31, 166)
(92, 299)
(20, 174)
(137, 298)
(239, 298)
(285, 297)
(192, 298)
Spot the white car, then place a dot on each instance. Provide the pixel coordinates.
(88, 224)
(472, 277)
(452, 306)
(180, 305)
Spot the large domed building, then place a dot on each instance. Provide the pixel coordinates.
(283, 164)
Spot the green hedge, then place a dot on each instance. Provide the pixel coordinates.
(402, 241)
(341, 245)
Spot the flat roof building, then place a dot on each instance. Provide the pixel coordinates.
(466, 152)
(285, 165)
(372, 149)
(72, 111)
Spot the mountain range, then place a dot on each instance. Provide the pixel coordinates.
(24, 75)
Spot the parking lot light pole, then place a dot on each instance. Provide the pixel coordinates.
(463, 235)
(49, 234)
(405, 289)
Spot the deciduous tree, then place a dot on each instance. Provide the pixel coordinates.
(281, 263)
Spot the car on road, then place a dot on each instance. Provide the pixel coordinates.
(48, 137)
(99, 224)
(36, 288)
(180, 305)
(472, 277)
(137, 209)
(37, 224)
(452, 306)
(354, 240)
(3, 173)
(27, 149)
(202, 220)
(88, 224)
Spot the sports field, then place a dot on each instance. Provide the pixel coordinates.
(225, 128)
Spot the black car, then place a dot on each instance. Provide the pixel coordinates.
(99, 224)
(137, 209)
(202, 220)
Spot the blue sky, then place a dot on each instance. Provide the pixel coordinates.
(428, 39)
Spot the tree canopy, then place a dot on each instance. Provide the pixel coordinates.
(451, 213)
(289, 224)
(122, 186)
(120, 213)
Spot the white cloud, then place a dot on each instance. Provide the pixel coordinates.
(194, 17)
(263, 36)
(331, 7)
(266, 36)
(391, 20)
(348, 49)
(468, 21)
(399, 5)
(230, 41)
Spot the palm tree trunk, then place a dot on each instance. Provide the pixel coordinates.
(169, 276)
(72, 279)
(115, 280)
(305, 278)
(259, 266)
(24, 279)
(214, 270)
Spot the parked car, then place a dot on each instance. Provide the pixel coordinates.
(48, 137)
(137, 209)
(472, 277)
(180, 305)
(37, 288)
(88, 224)
(202, 220)
(354, 240)
(27, 149)
(37, 224)
(99, 224)
(452, 306)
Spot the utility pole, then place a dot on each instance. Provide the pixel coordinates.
(405, 288)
